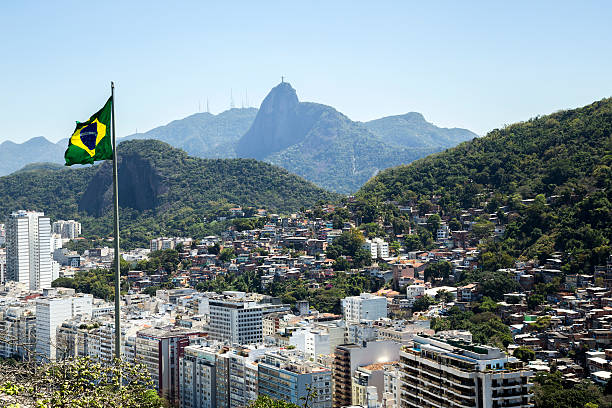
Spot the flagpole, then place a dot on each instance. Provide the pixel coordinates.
(116, 238)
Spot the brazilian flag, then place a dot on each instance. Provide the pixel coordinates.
(91, 140)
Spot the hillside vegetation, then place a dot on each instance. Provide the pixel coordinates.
(562, 161)
(162, 191)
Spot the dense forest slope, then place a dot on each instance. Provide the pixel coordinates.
(564, 157)
(162, 190)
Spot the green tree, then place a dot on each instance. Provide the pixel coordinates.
(550, 392)
(444, 296)
(487, 305)
(533, 301)
(341, 264)
(454, 225)
(524, 353)
(263, 401)
(423, 303)
(433, 223)
(493, 284)
(482, 228)
(78, 382)
(438, 270)
(412, 242)
(227, 254)
(349, 243)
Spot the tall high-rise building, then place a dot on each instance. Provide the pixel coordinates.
(2, 265)
(159, 350)
(449, 373)
(197, 378)
(28, 249)
(237, 377)
(236, 321)
(219, 378)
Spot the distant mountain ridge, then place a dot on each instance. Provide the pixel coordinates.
(394, 129)
(203, 134)
(324, 146)
(312, 140)
(14, 156)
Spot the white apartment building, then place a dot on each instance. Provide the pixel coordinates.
(51, 311)
(391, 387)
(362, 332)
(442, 233)
(312, 342)
(377, 247)
(413, 292)
(70, 229)
(235, 321)
(57, 242)
(81, 337)
(451, 373)
(160, 244)
(28, 249)
(364, 307)
(368, 387)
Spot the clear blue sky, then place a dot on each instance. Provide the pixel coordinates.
(468, 64)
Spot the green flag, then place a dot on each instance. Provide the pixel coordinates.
(91, 140)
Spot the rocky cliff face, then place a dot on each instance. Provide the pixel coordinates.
(140, 186)
(281, 121)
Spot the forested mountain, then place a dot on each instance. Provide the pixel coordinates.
(14, 156)
(562, 161)
(162, 190)
(324, 146)
(340, 154)
(312, 140)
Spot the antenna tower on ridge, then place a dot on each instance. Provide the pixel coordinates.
(231, 99)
